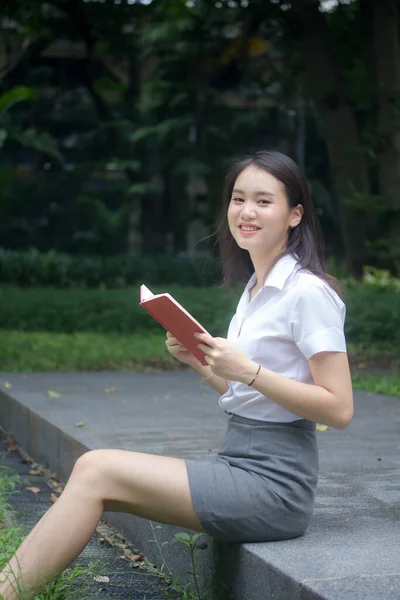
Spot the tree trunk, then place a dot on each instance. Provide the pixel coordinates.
(328, 90)
(386, 71)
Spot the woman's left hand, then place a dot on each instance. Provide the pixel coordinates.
(225, 358)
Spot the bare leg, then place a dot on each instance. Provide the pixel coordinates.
(154, 487)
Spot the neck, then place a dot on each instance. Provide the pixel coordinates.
(262, 264)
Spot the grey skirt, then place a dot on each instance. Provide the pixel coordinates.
(260, 487)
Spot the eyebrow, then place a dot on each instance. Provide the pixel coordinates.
(256, 194)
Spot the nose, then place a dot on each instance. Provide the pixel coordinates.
(248, 212)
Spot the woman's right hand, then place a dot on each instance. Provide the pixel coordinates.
(180, 352)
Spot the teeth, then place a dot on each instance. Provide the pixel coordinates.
(249, 228)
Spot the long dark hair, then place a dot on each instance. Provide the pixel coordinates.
(305, 240)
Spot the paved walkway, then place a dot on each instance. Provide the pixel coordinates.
(351, 548)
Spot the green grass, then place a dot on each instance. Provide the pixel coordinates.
(388, 385)
(43, 351)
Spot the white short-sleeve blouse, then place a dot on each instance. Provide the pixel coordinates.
(292, 317)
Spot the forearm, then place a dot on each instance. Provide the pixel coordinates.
(219, 384)
(308, 401)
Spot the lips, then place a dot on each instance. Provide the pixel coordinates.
(250, 227)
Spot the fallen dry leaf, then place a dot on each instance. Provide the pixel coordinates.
(108, 390)
(79, 424)
(34, 490)
(346, 520)
(101, 579)
(53, 497)
(321, 427)
(56, 485)
(186, 396)
(134, 557)
(36, 471)
(7, 385)
(53, 394)
(111, 537)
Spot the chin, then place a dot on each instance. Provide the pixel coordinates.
(242, 244)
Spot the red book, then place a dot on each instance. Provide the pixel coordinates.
(174, 318)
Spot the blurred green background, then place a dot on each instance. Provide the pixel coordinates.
(118, 119)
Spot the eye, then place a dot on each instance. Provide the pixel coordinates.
(265, 201)
(237, 200)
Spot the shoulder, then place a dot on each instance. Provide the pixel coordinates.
(306, 288)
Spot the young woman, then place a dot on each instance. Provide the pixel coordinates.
(282, 368)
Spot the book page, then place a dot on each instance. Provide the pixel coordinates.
(145, 293)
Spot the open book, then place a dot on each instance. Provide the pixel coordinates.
(174, 318)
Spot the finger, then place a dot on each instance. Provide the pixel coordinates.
(171, 344)
(174, 343)
(202, 336)
(206, 349)
(170, 336)
(176, 347)
(205, 338)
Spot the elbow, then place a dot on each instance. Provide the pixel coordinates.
(343, 418)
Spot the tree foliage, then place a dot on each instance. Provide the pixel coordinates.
(152, 101)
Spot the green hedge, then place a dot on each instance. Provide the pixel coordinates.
(105, 311)
(373, 312)
(34, 268)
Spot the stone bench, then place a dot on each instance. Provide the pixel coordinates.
(351, 549)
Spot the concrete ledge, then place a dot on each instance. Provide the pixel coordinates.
(57, 450)
(351, 548)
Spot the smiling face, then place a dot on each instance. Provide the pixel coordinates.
(259, 216)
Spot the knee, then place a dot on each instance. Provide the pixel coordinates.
(90, 466)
